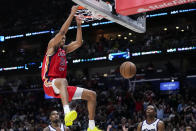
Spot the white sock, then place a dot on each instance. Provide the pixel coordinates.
(66, 109)
(91, 124)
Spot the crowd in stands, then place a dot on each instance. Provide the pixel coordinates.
(51, 14)
(34, 16)
(38, 16)
(34, 82)
(149, 42)
(121, 105)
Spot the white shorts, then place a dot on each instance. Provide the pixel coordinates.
(77, 94)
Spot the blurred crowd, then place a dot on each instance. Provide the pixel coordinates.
(150, 42)
(121, 105)
(34, 16)
(156, 41)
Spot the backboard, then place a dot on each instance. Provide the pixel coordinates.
(106, 10)
(130, 7)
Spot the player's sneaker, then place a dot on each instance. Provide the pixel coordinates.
(70, 117)
(94, 129)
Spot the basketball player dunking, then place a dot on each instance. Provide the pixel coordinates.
(151, 123)
(54, 71)
(55, 123)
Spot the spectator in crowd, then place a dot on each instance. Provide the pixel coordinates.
(55, 124)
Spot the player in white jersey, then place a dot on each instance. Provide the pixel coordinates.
(56, 124)
(151, 123)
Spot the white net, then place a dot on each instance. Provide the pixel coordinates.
(88, 15)
(105, 10)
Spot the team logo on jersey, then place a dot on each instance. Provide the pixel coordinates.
(62, 62)
(61, 69)
(61, 54)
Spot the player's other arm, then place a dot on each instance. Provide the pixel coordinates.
(46, 129)
(78, 42)
(139, 127)
(161, 126)
(58, 37)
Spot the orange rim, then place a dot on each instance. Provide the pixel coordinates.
(80, 8)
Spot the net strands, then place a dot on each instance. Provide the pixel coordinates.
(87, 15)
(107, 11)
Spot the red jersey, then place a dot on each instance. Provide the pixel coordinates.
(54, 66)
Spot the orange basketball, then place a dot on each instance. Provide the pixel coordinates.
(128, 69)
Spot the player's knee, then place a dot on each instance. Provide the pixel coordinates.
(64, 82)
(61, 83)
(92, 95)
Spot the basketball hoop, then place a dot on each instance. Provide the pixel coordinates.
(98, 9)
(88, 15)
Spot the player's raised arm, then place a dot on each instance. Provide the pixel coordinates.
(56, 40)
(78, 42)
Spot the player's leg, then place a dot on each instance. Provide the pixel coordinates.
(90, 96)
(60, 87)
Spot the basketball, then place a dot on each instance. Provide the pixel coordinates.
(128, 69)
